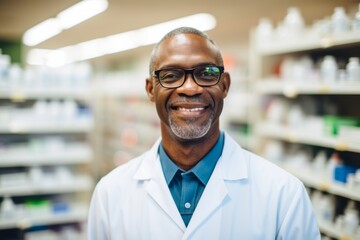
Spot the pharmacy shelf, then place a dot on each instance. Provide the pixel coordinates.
(75, 154)
(292, 88)
(315, 180)
(23, 94)
(302, 136)
(21, 127)
(77, 213)
(331, 231)
(307, 42)
(78, 184)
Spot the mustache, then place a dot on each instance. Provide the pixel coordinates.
(188, 99)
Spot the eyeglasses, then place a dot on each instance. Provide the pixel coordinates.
(204, 76)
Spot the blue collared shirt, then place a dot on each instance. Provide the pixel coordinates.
(186, 187)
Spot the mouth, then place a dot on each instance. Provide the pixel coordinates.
(188, 109)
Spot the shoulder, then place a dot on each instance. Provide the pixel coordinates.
(120, 176)
(124, 174)
(258, 169)
(266, 172)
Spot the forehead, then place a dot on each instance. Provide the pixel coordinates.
(185, 50)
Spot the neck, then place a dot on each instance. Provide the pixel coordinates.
(187, 153)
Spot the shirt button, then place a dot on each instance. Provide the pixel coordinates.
(187, 205)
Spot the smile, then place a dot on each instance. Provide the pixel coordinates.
(190, 109)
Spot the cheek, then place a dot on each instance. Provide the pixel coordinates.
(161, 98)
(218, 99)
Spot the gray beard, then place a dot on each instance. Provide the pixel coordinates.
(191, 130)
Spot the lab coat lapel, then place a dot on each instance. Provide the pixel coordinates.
(212, 198)
(231, 166)
(151, 173)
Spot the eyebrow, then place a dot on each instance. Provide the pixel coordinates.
(170, 66)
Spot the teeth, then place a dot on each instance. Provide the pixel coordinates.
(191, 109)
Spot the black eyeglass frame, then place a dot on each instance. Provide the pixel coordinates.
(189, 71)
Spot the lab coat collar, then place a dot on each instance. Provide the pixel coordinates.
(233, 163)
(231, 166)
(234, 168)
(150, 172)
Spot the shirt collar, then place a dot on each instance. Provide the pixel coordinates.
(202, 170)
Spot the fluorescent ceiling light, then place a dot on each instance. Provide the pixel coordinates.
(41, 32)
(64, 20)
(120, 42)
(81, 12)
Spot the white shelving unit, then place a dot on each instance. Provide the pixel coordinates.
(74, 153)
(315, 180)
(266, 57)
(78, 213)
(77, 184)
(293, 89)
(288, 134)
(22, 94)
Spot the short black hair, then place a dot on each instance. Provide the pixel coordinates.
(177, 31)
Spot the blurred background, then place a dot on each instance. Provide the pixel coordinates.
(73, 104)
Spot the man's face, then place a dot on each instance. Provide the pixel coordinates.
(189, 112)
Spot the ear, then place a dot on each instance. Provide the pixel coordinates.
(149, 86)
(226, 81)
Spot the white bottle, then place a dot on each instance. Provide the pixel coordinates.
(351, 219)
(4, 66)
(264, 30)
(287, 68)
(327, 208)
(319, 162)
(7, 208)
(356, 22)
(353, 69)
(69, 110)
(295, 117)
(36, 175)
(332, 163)
(340, 21)
(15, 75)
(328, 69)
(294, 22)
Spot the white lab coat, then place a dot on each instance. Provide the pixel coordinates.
(246, 198)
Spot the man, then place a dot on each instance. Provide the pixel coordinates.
(196, 182)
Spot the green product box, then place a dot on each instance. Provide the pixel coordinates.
(332, 124)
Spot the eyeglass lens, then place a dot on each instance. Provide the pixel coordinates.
(204, 76)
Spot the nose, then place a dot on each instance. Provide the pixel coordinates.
(190, 87)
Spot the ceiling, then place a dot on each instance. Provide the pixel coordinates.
(235, 18)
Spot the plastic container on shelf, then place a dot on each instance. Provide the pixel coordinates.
(293, 22)
(353, 70)
(274, 151)
(326, 208)
(333, 124)
(264, 30)
(277, 111)
(319, 162)
(295, 117)
(351, 219)
(303, 70)
(340, 22)
(69, 109)
(8, 208)
(341, 172)
(4, 68)
(356, 22)
(329, 69)
(286, 67)
(332, 163)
